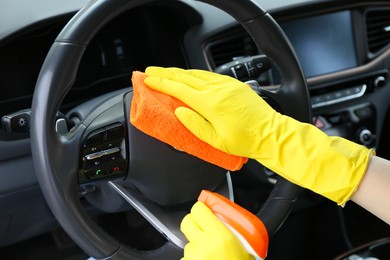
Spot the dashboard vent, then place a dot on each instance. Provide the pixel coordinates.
(229, 45)
(378, 29)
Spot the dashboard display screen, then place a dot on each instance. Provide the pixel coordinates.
(323, 43)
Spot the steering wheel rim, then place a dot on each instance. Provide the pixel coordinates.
(57, 177)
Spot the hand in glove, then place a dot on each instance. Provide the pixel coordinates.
(209, 238)
(230, 116)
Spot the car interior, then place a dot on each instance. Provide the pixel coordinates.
(79, 181)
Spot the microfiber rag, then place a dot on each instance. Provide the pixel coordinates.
(152, 112)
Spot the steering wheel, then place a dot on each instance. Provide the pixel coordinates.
(146, 173)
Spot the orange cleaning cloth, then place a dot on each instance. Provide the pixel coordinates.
(152, 112)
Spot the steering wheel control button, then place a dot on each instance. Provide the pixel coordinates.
(96, 173)
(97, 158)
(102, 155)
(106, 170)
(18, 122)
(112, 151)
(114, 131)
(96, 137)
(117, 169)
(93, 156)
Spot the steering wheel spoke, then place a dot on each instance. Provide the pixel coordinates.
(165, 221)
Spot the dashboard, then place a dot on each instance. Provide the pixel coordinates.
(342, 46)
(106, 65)
(342, 50)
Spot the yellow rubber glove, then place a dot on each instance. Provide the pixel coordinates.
(230, 116)
(209, 238)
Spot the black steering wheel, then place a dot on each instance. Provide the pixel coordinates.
(149, 175)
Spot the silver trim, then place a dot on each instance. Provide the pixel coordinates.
(229, 186)
(97, 155)
(168, 224)
(338, 100)
(149, 211)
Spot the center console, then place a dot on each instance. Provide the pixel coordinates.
(356, 123)
(340, 109)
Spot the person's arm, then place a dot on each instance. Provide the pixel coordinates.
(373, 193)
(228, 115)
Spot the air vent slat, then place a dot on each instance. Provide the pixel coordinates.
(378, 38)
(378, 29)
(225, 47)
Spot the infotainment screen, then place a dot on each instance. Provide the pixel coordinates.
(323, 43)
